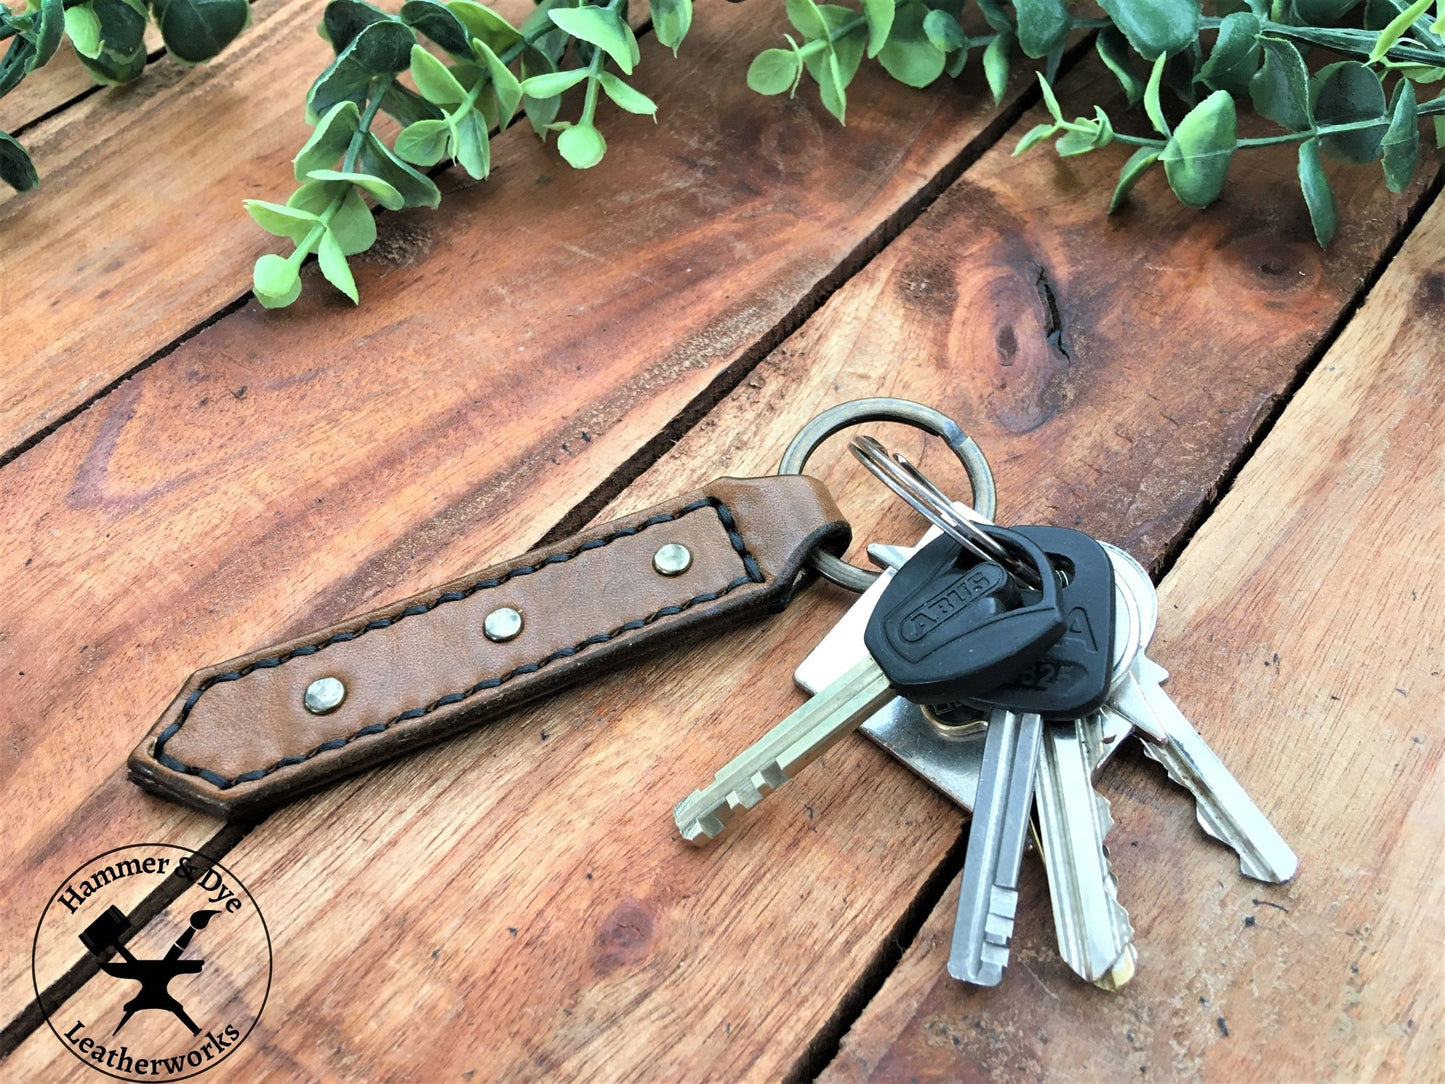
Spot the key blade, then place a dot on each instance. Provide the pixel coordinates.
(783, 751)
(1093, 929)
(1127, 699)
(989, 895)
(1223, 807)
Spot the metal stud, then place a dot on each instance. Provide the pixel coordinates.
(502, 624)
(324, 695)
(672, 559)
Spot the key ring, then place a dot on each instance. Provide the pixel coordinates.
(959, 522)
(883, 409)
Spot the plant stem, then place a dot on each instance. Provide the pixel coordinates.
(1287, 137)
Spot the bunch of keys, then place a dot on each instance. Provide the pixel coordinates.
(1004, 666)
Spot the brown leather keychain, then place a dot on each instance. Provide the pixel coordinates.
(256, 732)
(253, 733)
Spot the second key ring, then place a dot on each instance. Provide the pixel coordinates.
(883, 409)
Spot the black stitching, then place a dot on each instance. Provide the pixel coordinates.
(725, 517)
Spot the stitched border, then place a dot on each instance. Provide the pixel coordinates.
(753, 574)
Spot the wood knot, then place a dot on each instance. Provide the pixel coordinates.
(625, 937)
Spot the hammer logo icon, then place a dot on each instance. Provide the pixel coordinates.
(105, 935)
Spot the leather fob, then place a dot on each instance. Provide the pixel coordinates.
(238, 740)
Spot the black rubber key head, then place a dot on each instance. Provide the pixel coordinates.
(1071, 678)
(950, 625)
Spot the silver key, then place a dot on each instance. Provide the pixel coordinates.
(805, 735)
(989, 897)
(1094, 934)
(1223, 807)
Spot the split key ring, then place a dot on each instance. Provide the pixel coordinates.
(883, 409)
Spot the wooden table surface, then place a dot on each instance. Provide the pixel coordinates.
(185, 477)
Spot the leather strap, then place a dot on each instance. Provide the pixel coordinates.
(238, 739)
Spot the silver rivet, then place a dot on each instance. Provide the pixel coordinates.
(672, 560)
(502, 625)
(324, 695)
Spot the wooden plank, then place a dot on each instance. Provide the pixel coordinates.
(522, 885)
(1303, 626)
(281, 470)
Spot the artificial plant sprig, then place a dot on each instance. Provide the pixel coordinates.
(1343, 110)
(109, 39)
(471, 72)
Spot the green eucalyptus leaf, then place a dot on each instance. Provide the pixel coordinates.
(122, 55)
(601, 27)
(424, 143)
(880, 21)
(551, 84)
(383, 191)
(439, 23)
(378, 50)
(344, 19)
(283, 221)
(540, 111)
(276, 281)
(1051, 101)
(1324, 215)
(582, 145)
(1042, 25)
(908, 55)
(1401, 145)
(1153, 107)
(1396, 28)
(994, 14)
(505, 85)
(434, 79)
(1235, 56)
(16, 168)
(671, 20)
(1280, 90)
(82, 27)
(196, 30)
(329, 139)
(1345, 93)
(317, 197)
(995, 64)
(831, 86)
(406, 106)
(1155, 27)
(773, 71)
(1113, 50)
(352, 223)
(46, 31)
(334, 267)
(626, 97)
(1033, 137)
(1196, 158)
(848, 49)
(378, 160)
(1072, 143)
(807, 19)
(484, 23)
(473, 150)
(944, 31)
(1138, 164)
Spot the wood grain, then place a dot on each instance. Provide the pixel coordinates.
(280, 470)
(1303, 625)
(513, 904)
